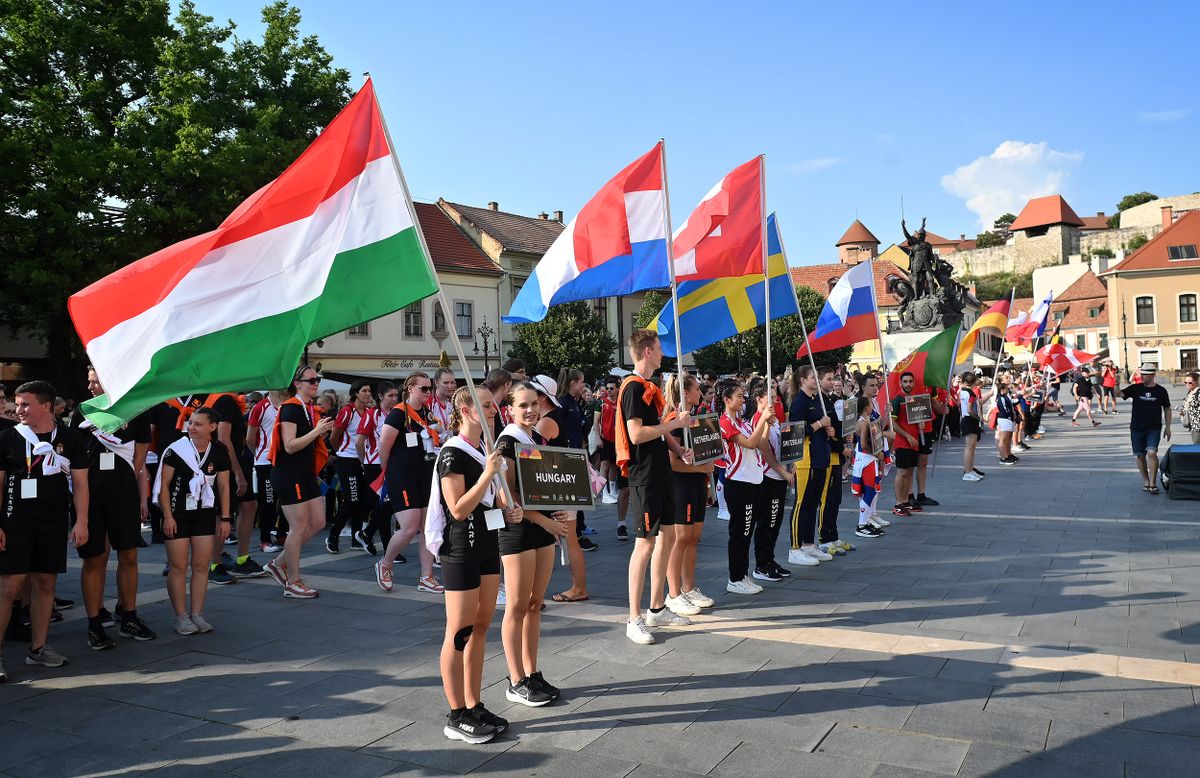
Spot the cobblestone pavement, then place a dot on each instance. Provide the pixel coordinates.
(1041, 622)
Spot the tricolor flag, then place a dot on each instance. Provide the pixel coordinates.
(723, 236)
(849, 315)
(931, 363)
(616, 245)
(312, 253)
(710, 311)
(1060, 358)
(994, 319)
(1033, 326)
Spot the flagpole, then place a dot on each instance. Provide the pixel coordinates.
(949, 382)
(489, 444)
(762, 180)
(1004, 335)
(662, 157)
(800, 314)
(887, 400)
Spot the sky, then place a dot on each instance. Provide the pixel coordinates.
(962, 111)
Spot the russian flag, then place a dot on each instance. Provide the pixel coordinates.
(849, 315)
(615, 246)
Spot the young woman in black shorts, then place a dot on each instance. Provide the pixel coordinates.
(193, 491)
(527, 551)
(298, 453)
(692, 484)
(470, 555)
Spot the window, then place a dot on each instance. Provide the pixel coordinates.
(1081, 341)
(414, 326)
(1149, 356)
(1182, 252)
(1187, 308)
(360, 330)
(464, 319)
(1093, 313)
(1058, 315)
(1103, 340)
(1187, 359)
(1145, 310)
(600, 308)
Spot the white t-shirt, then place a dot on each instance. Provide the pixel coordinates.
(743, 464)
(263, 416)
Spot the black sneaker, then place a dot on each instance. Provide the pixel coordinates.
(365, 543)
(331, 545)
(487, 717)
(220, 576)
(927, 500)
(1010, 461)
(355, 545)
(914, 507)
(227, 559)
(868, 531)
(56, 616)
(468, 728)
(587, 545)
(232, 539)
(400, 559)
(542, 685)
(98, 640)
(135, 628)
(622, 532)
(524, 694)
(247, 569)
(766, 574)
(65, 605)
(166, 569)
(780, 571)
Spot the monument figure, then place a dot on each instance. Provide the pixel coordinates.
(930, 298)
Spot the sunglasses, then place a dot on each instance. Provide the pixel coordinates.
(424, 389)
(313, 381)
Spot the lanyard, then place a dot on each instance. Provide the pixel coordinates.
(200, 462)
(417, 418)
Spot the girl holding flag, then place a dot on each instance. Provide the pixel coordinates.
(868, 468)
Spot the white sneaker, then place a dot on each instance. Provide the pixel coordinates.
(638, 633)
(971, 477)
(877, 521)
(722, 514)
(608, 498)
(184, 625)
(817, 553)
(682, 605)
(744, 586)
(797, 556)
(665, 618)
(699, 598)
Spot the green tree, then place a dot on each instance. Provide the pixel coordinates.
(652, 302)
(997, 285)
(1127, 202)
(1135, 243)
(571, 335)
(1004, 223)
(988, 239)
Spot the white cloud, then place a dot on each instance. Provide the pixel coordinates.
(813, 165)
(1003, 181)
(1162, 117)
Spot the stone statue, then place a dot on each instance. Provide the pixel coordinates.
(930, 298)
(920, 259)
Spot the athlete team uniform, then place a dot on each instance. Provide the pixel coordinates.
(114, 500)
(353, 505)
(743, 487)
(527, 535)
(294, 476)
(691, 489)
(263, 415)
(410, 463)
(469, 549)
(772, 498)
(195, 516)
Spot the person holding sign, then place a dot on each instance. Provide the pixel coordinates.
(642, 445)
(691, 484)
(462, 532)
(773, 495)
(914, 444)
(806, 409)
(743, 478)
(527, 553)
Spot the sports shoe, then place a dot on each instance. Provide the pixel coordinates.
(201, 623)
(867, 531)
(134, 627)
(816, 553)
(227, 559)
(501, 597)
(106, 618)
(66, 605)
(622, 532)
(3, 673)
(247, 569)
(55, 615)
(98, 640)
(541, 684)
(914, 507)
(277, 571)
(45, 656)
(587, 545)
(877, 521)
(232, 539)
(331, 545)
(587, 531)
(845, 546)
(972, 477)
(682, 605)
(637, 631)
(665, 618)
(525, 693)
(383, 576)
(607, 498)
(1010, 461)
(1021, 447)
(270, 548)
(699, 598)
(766, 574)
(468, 728)
(722, 514)
(1095, 423)
(430, 584)
(781, 571)
(437, 563)
(487, 717)
(220, 576)
(365, 542)
(923, 500)
(901, 510)
(978, 472)
(744, 586)
(184, 625)
(300, 590)
(796, 556)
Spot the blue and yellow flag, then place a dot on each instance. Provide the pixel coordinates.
(710, 311)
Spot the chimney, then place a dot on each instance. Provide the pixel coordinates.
(961, 236)
(1168, 215)
(558, 216)
(543, 216)
(1100, 214)
(493, 206)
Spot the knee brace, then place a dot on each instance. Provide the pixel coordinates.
(462, 636)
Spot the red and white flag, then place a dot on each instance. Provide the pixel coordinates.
(723, 236)
(1062, 359)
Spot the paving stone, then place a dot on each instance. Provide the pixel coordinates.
(963, 721)
(921, 752)
(1120, 744)
(923, 690)
(540, 760)
(423, 744)
(304, 759)
(664, 749)
(219, 746)
(798, 731)
(768, 760)
(989, 759)
(848, 708)
(25, 741)
(89, 758)
(348, 725)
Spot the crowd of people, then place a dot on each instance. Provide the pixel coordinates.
(390, 464)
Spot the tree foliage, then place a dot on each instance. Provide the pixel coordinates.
(1004, 222)
(1000, 285)
(1137, 198)
(571, 335)
(988, 239)
(652, 302)
(1136, 242)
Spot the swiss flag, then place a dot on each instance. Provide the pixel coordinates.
(1062, 359)
(723, 236)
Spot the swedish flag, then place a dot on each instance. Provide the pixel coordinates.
(710, 311)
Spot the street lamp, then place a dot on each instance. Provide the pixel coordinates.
(1125, 341)
(484, 331)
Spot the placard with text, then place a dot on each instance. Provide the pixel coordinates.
(554, 479)
(791, 441)
(918, 408)
(704, 438)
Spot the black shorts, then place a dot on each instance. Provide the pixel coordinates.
(195, 524)
(970, 426)
(691, 497)
(265, 490)
(293, 490)
(114, 515)
(906, 458)
(1110, 391)
(652, 506)
(34, 546)
(465, 576)
(247, 460)
(409, 490)
(608, 450)
(526, 536)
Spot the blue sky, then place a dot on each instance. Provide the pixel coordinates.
(962, 109)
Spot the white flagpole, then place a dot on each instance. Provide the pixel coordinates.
(762, 179)
(671, 267)
(887, 400)
(800, 315)
(489, 444)
(1004, 335)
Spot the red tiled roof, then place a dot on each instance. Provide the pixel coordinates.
(818, 277)
(967, 245)
(1154, 255)
(1045, 211)
(937, 240)
(449, 247)
(1087, 287)
(1076, 313)
(858, 233)
(527, 234)
(1097, 222)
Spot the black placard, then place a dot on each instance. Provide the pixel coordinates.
(918, 408)
(849, 422)
(553, 479)
(703, 436)
(791, 441)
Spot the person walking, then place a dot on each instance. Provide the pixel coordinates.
(1083, 393)
(354, 507)
(1149, 422)
(1190, 411)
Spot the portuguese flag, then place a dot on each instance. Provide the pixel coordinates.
(329, 244)
(931, 364)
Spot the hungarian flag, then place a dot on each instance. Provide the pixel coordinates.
(994, 319)
(1060, 358)
(723, 236)
(931, 364)
(312, 253)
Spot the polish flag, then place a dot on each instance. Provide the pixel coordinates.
(723, 236)
(1062, 359)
